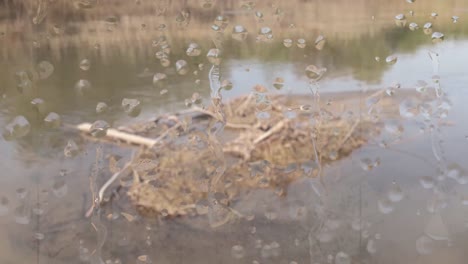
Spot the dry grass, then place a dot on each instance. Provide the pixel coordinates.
(59, 24)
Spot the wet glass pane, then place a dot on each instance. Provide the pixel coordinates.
(233, 131)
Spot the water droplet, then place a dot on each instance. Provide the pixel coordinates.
(410, 1)
(83, 87)
(159, 79)
(371, 248)
(131, 106)
(101, 108)
(434, 15)
(455, 19)
(314, 73)
(424, 245)
(19, 127)
(408, 108)
(368, 164)
(214, 56)
(59, 188)
(238, 252)
(385, 206)
(392, 59)
(182, 67)
(53, 120)
(196, 98)
(287, 43)
(21, 193)
(427, 182)
(193, 50)
(436, 228)
(320, 42)
(39, 105)
(342, 258)
(85, 65)
(4, 205)
(437, 37)
(71, 149)
(144, 259)
(265, 34)
(259, 16)
(22, 215)
(278, 83)
(39, 236)
(226, 85)
(239, 33)
(395, 194)
(400, 20)
(413, 26)
(301, 43)
(99, 128)
(45, 69)
(427, 28)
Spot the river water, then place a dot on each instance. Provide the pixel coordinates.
(411, 207)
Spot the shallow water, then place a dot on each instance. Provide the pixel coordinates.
(411, 208)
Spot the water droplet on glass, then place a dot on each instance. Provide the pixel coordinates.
(144, 259)
(53, 120)
(45, 69)
(21, 193)
(182, 67)
(85, 65)
(101, 108)
(427, 182)
(59, 188)
(22, 215)
(17, 128)
(395, 194)
(424, 245)
(314, 73)
(193, 50)
(287, 43)
(301, 43)
(265, 34)
(385, 206)
(39, 236)
(410, 1)
(71, 149)
(99, 128)
(427, 28)
(342, 258)
(371, 248)
(436, 228)
(434, 15)
(214, 56)
(455, 19)
(368, 164)
(159, 79)
(320, 42)
(400, 20)
(239, 33)
(226, 85)
(413, 26)
(131, 106)
(196, 98)
(4, 206)
(408, 108)
(392, 59)
(83, 86)
(39, 105)
(437, 37)
(238, 252)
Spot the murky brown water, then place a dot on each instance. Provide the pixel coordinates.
(408, 205)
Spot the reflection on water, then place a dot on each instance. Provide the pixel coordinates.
(399, 198)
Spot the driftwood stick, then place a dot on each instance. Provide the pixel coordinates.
(119, 135)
